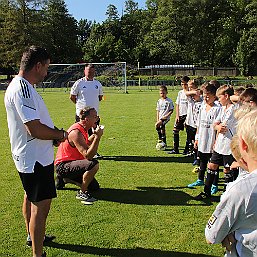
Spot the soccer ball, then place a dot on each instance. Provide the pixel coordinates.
(160, 146)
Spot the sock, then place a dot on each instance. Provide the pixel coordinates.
(209, 181)
(176, 139)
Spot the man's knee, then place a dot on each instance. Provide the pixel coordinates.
(212, 166)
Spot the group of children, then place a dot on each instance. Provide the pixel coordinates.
(208, 114)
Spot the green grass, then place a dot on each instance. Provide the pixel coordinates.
(144, 207)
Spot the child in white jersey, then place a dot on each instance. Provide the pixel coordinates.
(225, 125)
(205, 135)
(181, 112)
(164, 110)
(194, 98)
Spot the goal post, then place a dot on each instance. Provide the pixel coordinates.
(113, 76)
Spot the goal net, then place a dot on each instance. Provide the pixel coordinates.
(113, 76)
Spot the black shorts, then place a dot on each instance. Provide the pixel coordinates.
(75, 170)
(180, 124)
(39, 185)
(222, 160)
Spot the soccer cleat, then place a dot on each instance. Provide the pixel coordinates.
(59, 183)
(48, 239)
(202, 196)
(174, 151)
(85, 196)
(198, 182)
(98, 156)
(214, 189)
(195, 169)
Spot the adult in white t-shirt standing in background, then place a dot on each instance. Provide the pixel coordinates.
(86, 91)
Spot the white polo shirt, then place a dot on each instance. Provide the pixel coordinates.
(87, 93)
(24, 104)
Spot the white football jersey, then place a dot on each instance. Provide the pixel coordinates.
(87, 94)
(182, 102)
(205, 130)
(193, 110)
(164, 106)
(24, 104)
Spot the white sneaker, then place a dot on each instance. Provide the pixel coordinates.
(85, 196)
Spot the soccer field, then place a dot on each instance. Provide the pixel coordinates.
(144, 207)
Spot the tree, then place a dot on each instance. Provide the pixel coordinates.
(61, 33)
(130, 7)
(84, 29)
(112, 13)
(246, 53)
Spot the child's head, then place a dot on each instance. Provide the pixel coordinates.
(239, 90)
(243, 110)
(163, 91)
(192, 85)
(209, 93)
(184, 82)
(223, 93)
(249, 96)
(215, 83)
(247, 133)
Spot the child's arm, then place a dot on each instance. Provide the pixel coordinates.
(177, 112)
(157, 116)
(165, 117)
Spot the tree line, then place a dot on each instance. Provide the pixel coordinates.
(206, 33)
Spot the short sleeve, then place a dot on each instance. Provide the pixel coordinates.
(74, 88)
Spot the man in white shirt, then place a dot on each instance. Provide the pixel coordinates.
(86, 91)
(32, 132)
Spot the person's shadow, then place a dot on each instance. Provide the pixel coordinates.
(130, 158)
(148, 196)
(115, 252)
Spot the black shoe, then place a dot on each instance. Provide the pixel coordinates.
(202, 196)
(59, 183)
(48, 238)
(174, 151)
(98, 156)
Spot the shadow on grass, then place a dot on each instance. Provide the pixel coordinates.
(169, 158)
(115, 252)
(148, 196)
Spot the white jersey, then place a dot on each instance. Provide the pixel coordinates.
(182, 102)
(87, 93)
(226, 117)
(193, 110)
(24, 104)
(164, 106)
(237, 212)
(205, 130)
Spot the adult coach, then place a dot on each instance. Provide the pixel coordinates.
(86, 91)
(236, 214)
(32, 132)
(74, 158)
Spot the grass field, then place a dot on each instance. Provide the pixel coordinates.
(144, 207)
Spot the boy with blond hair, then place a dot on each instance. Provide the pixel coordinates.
(233, 222)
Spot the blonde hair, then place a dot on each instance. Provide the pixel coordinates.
(225, 89)
(242, 111)
(247, 129)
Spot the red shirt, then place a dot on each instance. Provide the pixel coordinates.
(66, 152)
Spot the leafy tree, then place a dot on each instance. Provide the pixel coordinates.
(130, 7)
(84, 29)
(245, 56)
(112, 13)
(61, 32)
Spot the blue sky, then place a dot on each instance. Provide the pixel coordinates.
(95, 9)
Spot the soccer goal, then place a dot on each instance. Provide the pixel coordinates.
(113, 76)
